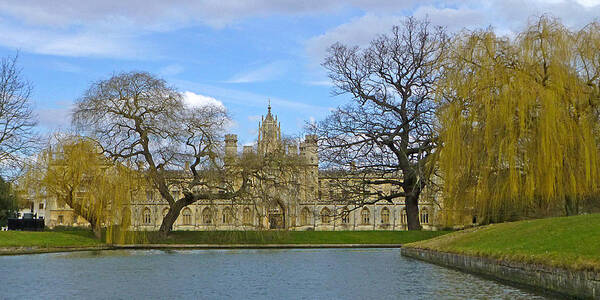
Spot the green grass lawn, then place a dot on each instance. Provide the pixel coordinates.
(84, 238)
(569, 242)
(48, 239)
(294, 237)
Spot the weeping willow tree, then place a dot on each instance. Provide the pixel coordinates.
(74, 172)
(519, 122)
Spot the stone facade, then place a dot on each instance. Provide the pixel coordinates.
(312, 203)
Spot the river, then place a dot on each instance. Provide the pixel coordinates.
(240, 274)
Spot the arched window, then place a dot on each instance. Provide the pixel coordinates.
(227, 216)
(403, 219)
(304, 216)
(206, 216)
(147, 216)
(424, 216)
(325, 216)
(345, 216)
(247, 217)
(187, 216)
(365, 216)
(165, 212)
(385, 215)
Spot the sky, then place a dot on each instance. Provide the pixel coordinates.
(238, 54)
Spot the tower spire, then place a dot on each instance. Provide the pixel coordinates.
(269, 107)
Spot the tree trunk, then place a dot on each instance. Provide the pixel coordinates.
(171, 217)
(412, 211)
(97, 232)
(571, 206)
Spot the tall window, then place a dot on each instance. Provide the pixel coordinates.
(325, 216)
(424, 216)
(206, 216)
(147, 216)
(304, 216)
(365, 216)
(403, 216)
(385, 216)
(227, 216)
(345, 216)
(247, 216)
(187, 216)
(149, 196)
(60, 219)
(165, 212)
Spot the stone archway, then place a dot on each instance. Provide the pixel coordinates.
(276, 217)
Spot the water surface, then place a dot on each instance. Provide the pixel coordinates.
(240, 274)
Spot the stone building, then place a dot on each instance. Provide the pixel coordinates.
(305, 198)
(309, 201)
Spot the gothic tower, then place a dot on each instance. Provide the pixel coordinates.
(269, 134)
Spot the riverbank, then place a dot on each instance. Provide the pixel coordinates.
(556, 254)
(22, 242)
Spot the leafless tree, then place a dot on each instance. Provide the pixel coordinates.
(17, 121)
(387, 132)
(138, 117)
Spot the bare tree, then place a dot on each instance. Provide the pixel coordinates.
(387, 132)
(17, 121)
(138, 117)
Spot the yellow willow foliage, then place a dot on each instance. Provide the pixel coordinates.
(74, 171)
(519, 122)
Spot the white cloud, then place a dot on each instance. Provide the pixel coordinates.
(54, 118)
(254, 118)
(171, 70)
(196, 100)
(66, 67)
(357, 32)
(267, 72)
(69, 42)
(506, 16)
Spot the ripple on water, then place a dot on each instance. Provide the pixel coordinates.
(241, 274)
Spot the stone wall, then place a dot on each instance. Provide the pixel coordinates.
(581, 284)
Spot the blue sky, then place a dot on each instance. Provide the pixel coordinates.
(236, 53)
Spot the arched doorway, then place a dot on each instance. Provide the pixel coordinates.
(276, 217)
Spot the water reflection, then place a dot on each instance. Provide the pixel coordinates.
(241, 274)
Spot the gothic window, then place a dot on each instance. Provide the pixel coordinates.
(149, 196)
(424, 216)
(74, 219)
(247, 217)
(304, 216)
(206, 216)
(147, 216)
(165, 212)
(187, 216)
(345, 216)
(175, 195)
(325, 216)
(227, 216)
(385, 216)
(365, 215)
(403, 216)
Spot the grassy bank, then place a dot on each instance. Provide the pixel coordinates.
(48, 239)
(85, 238)
(569, 242)
(293, 237)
